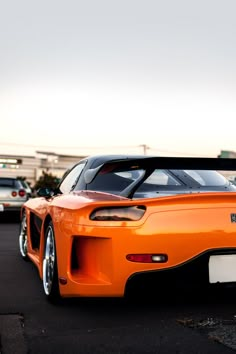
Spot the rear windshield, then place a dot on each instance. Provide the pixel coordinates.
(7, 182)
(207, 178)
(115, 181)
(160, 179)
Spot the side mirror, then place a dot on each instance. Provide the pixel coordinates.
(45, 192)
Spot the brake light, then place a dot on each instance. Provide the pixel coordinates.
(14, 193)
(147, 258)
(22, 192)
(132, 213)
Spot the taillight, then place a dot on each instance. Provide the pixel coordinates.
(22, 193)
(132, 213)
(14, 193)
(147, 258)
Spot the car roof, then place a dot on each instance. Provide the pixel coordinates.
(97, 160)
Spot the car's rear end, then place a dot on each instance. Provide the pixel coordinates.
(184, 241)
(195, 238)
(12, 194)
(183, 235)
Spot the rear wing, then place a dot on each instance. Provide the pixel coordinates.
(171, 163)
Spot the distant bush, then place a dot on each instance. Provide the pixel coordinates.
(47, 180)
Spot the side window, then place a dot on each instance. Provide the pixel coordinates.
(71, 178)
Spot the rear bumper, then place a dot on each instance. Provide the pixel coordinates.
(10, 206)
(189, 276)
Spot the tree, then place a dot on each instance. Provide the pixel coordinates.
(47, 180)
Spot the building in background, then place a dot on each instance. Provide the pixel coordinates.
(227, 154)
(31, 167)
(231, 175)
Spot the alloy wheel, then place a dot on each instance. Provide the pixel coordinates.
(23, 241)
(49, 261)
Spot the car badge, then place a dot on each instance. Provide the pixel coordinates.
(233, 217)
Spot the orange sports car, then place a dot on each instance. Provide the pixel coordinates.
(116, 223)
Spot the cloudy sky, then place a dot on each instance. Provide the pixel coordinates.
(84, 77)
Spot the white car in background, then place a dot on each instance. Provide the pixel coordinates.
(27, 188)
(13, 194)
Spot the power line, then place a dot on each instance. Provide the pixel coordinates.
(177, 152)
(144, 147)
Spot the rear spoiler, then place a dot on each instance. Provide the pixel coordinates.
(170, 163)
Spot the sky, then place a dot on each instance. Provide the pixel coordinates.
(88, 77)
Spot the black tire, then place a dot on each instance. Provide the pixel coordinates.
(50, 272)
(23, 237)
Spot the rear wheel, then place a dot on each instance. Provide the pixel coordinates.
(23, 241)
(50, 273)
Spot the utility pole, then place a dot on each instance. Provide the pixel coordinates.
(145, 148)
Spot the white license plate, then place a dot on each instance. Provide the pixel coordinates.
(1, 207)
(222, 268)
